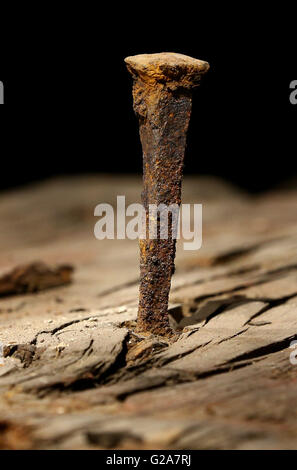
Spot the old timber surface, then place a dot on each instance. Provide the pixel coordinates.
(74, 373)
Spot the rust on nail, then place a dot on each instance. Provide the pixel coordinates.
(162, 85)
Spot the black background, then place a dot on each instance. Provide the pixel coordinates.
(68, 94)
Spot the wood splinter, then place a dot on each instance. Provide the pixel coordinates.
(162, 101)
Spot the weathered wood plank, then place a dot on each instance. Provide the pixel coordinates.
(75, 375)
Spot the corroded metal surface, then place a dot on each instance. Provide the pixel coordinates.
(162, 101)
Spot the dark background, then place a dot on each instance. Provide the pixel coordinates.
(69, 105)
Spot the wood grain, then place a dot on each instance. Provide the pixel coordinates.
(75, 374)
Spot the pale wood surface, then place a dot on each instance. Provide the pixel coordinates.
(76, 376)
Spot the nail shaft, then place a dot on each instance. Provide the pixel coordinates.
(162, 102)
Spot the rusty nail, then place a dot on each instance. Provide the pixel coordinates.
(162, 85)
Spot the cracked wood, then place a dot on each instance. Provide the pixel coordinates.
(77, 375)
